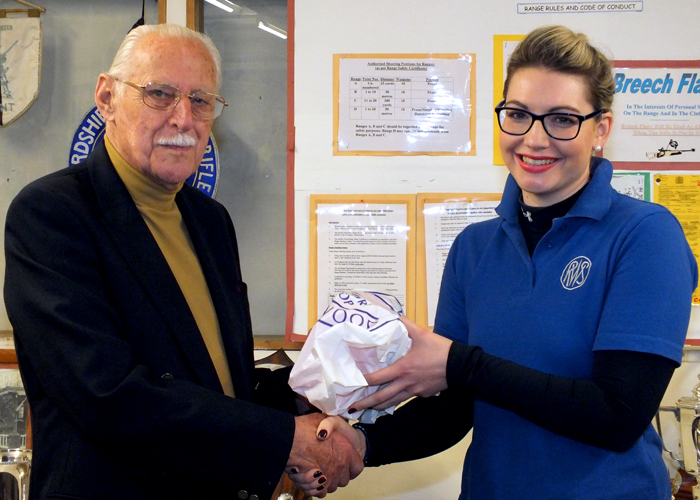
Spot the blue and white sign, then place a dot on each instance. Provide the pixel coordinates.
(91, 132)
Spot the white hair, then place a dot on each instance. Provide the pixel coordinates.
(123, 63)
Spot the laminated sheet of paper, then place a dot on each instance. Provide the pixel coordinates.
(360, 332)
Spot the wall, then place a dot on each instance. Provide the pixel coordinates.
(664, 30)
(251, 138)
(80, 38)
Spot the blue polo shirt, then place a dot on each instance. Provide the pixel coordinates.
(614, 273)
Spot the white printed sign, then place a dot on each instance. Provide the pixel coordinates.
(579, 7)
(405, 105)
(361, 245)
(443, 223)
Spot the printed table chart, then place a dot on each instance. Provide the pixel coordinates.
(409, 99)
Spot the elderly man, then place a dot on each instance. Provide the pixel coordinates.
(130, 316)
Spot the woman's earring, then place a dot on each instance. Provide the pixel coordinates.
(597, 149)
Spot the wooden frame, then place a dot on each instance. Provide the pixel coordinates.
(7, 355)
(162, 11)
(194, 15)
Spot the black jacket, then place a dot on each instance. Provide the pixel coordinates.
(125, 401)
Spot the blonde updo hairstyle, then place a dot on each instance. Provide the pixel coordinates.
(557, 48)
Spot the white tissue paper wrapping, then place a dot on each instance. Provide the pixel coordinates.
(360, 332)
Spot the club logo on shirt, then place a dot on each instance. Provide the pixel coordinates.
(575, 273)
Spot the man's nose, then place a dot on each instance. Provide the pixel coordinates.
(182, 112)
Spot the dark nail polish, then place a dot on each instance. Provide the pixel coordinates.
(322, 480)
(352, 410)
(294, 471)
(323, 433)
(317, 474)
(319, 488)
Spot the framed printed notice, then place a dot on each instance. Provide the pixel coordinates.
(656, 113)
(404, 104)
(441, 217)
(361, 242)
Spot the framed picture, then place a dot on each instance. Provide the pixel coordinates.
(15, 427)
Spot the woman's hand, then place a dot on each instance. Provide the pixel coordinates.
(421, 372)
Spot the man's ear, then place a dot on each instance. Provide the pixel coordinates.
(104, 95)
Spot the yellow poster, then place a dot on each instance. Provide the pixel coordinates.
(503, 47)
(681, 195)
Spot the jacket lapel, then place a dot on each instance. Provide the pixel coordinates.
(214, 240)
(131, 235)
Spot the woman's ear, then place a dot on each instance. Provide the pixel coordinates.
(104, 95)
(603, 129)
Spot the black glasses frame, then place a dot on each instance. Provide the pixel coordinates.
(540, 118)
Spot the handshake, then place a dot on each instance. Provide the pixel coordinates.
(327, 453)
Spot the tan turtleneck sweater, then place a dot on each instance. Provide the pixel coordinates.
(159, 210)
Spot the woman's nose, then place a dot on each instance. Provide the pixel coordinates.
(537, 136)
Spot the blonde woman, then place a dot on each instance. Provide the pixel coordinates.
(560, 322)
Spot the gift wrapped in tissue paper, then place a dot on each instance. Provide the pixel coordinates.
(360, 332)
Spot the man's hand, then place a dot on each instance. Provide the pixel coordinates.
(321, 465)
(308, 481)
(421, 372)
(334, 423)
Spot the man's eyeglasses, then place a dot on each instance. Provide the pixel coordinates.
(561, 126)
(163, 97)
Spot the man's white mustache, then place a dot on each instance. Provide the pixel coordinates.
(181, 140)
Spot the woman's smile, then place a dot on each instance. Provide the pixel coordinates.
(536, 165)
